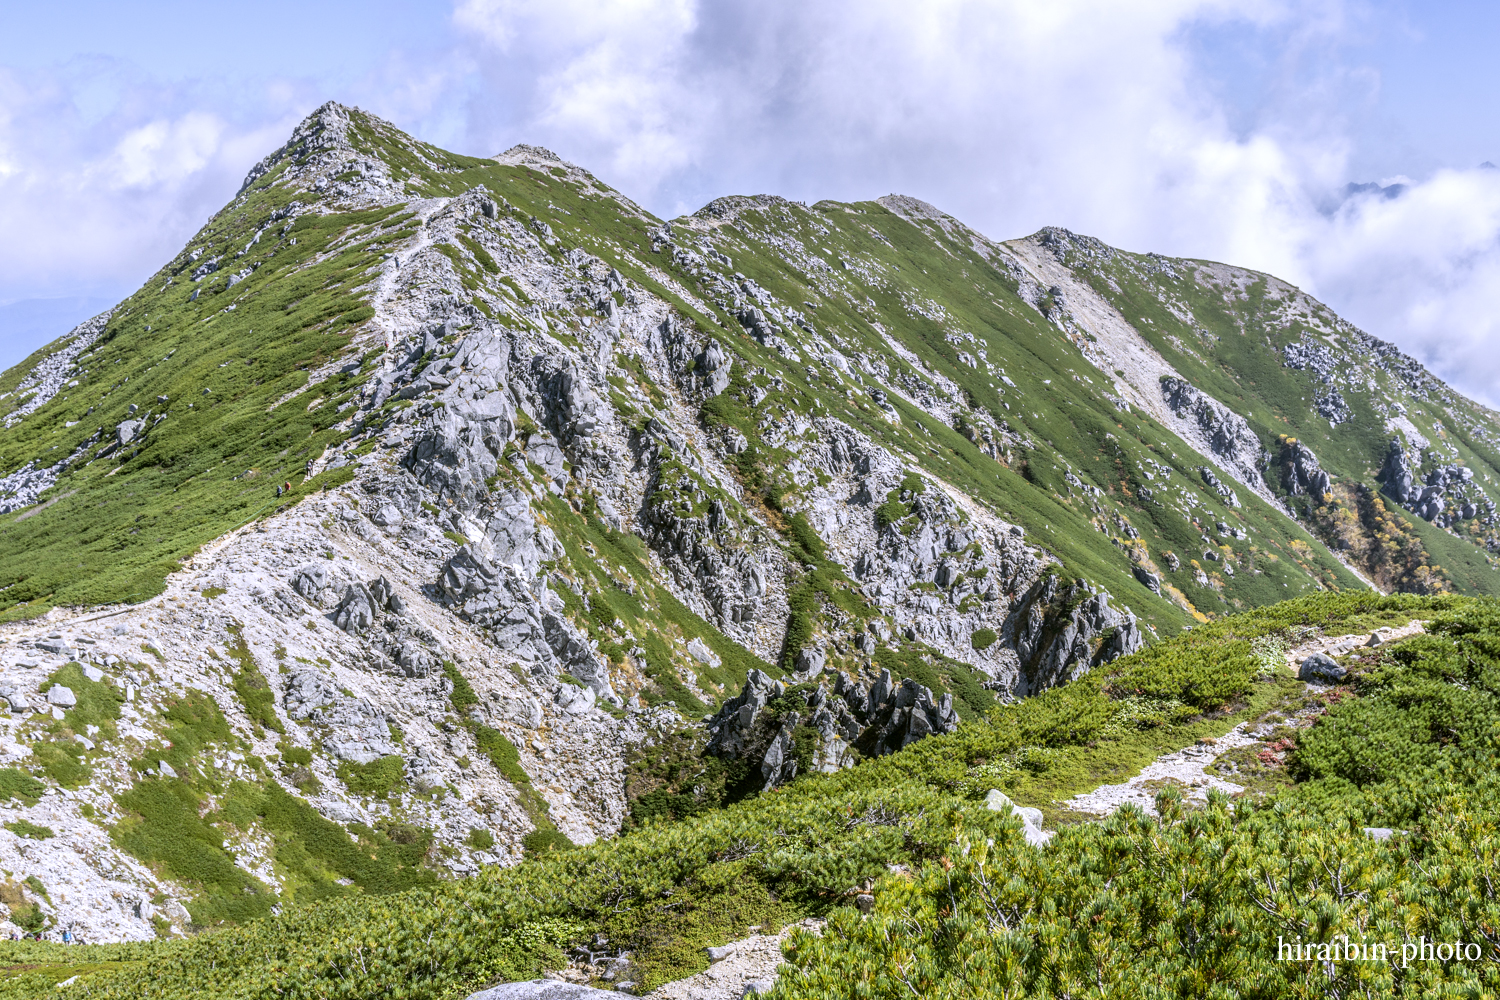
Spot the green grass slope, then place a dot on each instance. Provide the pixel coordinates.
(1191, 903)
(231, 361)
(1227, 330)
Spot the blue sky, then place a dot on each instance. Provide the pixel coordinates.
(1191, 127)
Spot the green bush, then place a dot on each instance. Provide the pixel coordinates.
(250, 685)
(376, 778)
(539, 842)
(294, 755)
(1206, 675)
(61, 761)
(22, 828)
(1190, 903)
(802, 603)
(195, 723)
(983, 638)
(15, 784)
(463, 695)
(890, 512)
(807, 543)
(164, 827)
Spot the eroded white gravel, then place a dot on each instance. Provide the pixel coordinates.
(756, 959)
(1188, 767)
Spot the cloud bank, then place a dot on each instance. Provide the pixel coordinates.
(1104, 118)
(91, 203)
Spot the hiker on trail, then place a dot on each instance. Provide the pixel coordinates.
(278, 491)
(288, 486)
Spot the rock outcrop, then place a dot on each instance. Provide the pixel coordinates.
(1224, 433)
(1396, 476)
(1062, 631)
(1301, 475)
(824, 725)
(1444, 495)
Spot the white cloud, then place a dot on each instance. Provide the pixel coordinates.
(93, 203)
(1422, 270)
(165, 151)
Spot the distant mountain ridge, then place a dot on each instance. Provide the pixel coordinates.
(565, 477)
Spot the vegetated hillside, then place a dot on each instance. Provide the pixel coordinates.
(1191, 901)
(1318, 394)
(565, 479)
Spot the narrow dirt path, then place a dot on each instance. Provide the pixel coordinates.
(1188, 767)
(1185, 767)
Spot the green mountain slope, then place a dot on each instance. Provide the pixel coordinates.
(1193, 899)
(566, 480)
(938, 290)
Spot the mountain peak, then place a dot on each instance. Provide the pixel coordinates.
(324, 130)
(908, 207)
(523, 154)
(729, 207)
(535, 480)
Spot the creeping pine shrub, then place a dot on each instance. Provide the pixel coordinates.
(890, 512)
(61, 761)
(23, 828)
(17, 784)
(251, 686)
(1134, 713)
(1204, 675)
(1188, 903)
(377, 778)
(1428, 709)
(463, 695)
(803, 603)
(808, 544)
(1063, 716)
(1203, 902)
(1001, 773)
(539, 842)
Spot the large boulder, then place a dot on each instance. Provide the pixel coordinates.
(350, 728)
(514, 537)
(388, 516)
(128, 431)
(1322, 669)
(381, 593)
(311, 580)
(486, 357)
(469, 572)
(1301, 474)
(356, 611)
(1397, 478)
(1147, 579)
(1030, 817)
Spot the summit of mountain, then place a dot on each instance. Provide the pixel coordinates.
(423, 506)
